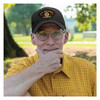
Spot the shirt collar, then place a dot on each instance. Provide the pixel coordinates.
(65, 65)
(36, 57)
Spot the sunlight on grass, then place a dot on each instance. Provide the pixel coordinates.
(8, 60)
(27, 45)
(80, 45)
(22, 38)
(78, 37)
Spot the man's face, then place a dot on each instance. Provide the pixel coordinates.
(49, 44)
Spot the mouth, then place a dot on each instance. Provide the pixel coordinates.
(48, 50)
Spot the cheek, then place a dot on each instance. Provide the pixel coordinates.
(39, 44)
(42, 45)
(60, 43)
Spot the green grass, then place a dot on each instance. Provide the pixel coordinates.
(26, 45)
(78, 37)
(8, 60)
(22, 38)
(80, 45)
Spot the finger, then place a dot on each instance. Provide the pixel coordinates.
(59, 65)
(58, 51)
(56, 66)
(27, 94)
(60, 56)
(56, 61)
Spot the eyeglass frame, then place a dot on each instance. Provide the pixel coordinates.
(63, 31)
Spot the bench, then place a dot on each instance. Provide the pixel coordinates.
(89, 34)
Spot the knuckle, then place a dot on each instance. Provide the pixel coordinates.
(57, 60)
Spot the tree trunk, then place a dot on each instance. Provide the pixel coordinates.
(11, 49)
(26, 30)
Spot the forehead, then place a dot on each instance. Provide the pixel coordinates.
(48, 26)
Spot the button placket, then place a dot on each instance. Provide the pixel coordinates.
(53, 81)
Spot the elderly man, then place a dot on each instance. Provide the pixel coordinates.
(50, 72)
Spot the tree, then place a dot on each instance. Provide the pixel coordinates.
(19, 16)
(11, 49)
(86, 14)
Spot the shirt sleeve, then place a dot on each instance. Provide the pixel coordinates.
(20, 66)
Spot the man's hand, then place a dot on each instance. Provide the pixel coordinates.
(27, 94)
(19, 83)
(50, 61)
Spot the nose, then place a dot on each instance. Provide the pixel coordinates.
(50, 40)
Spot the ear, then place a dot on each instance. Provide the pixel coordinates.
(33, 38)
(66, 37)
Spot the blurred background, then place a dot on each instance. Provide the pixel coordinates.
(80, 22)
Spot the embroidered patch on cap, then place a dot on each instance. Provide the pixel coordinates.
(46, 14)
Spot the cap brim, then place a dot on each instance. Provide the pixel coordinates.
(47, 21)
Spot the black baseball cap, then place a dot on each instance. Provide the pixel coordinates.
(47, 15)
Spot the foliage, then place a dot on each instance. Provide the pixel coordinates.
(6, 6)
(19, 17)
(86, 14)
(92, 27)
(11, 49)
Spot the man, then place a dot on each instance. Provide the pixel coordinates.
(50, 72)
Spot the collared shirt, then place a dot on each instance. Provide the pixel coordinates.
(76, 77)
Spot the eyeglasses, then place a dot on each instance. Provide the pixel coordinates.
(56, 35)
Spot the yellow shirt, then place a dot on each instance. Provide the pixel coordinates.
(76, 77)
